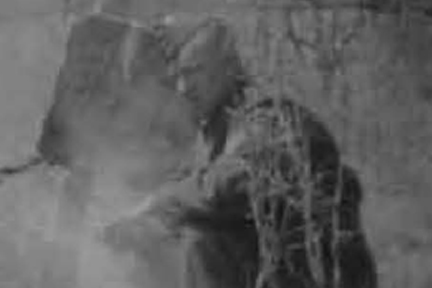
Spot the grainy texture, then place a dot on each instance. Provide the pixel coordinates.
(384, 131)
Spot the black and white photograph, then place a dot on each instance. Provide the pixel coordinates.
(215, 143)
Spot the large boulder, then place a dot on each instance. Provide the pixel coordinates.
(112, 101)
(118, 118)
(147, 88)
